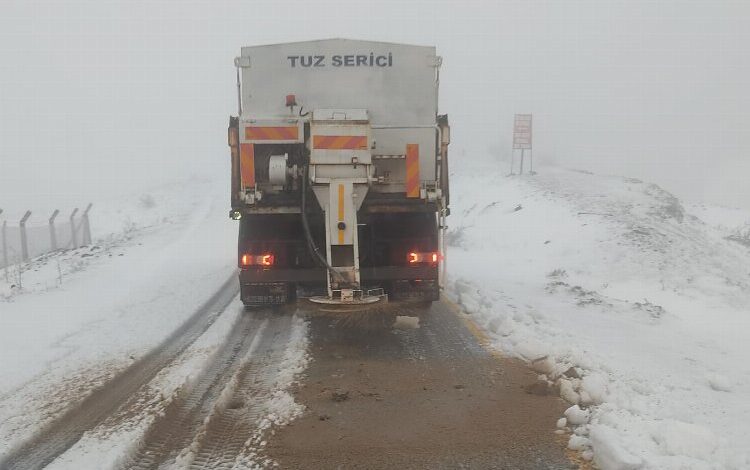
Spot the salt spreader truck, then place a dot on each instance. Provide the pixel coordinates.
(339, 172)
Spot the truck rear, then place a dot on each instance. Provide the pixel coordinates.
(339, 172)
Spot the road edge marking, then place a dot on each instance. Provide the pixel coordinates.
(484, 340)
(479, 334)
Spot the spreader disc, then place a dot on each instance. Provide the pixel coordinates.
(361, 301)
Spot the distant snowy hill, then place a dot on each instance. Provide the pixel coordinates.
(635, 308)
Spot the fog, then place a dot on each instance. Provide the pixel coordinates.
(101, 98)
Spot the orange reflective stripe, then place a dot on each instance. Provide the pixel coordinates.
(412, 170)
(247, 165)
(271, 133)
(340, 142)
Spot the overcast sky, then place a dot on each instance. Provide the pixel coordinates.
(109, 97)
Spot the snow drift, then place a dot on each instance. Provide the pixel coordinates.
(633, 308)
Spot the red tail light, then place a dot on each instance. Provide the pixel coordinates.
(256, 260)
(423, 258)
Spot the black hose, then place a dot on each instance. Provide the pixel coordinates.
(308, 235)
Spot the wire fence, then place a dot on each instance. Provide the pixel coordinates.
(23, 240)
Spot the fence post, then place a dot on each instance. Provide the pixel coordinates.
(52, 233)
(86, 234)
(73, 241)
(24, 240)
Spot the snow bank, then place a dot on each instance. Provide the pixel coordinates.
(634, 307)
(82, 316)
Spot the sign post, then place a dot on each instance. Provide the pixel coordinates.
(522, 139)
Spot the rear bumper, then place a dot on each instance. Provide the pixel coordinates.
(277, 286)
(318, 275)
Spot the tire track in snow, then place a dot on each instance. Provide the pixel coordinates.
(222, 415)
(67, 429)
(172, 432)
(233, 436)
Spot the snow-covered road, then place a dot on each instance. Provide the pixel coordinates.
(630, 304)
(143, 357)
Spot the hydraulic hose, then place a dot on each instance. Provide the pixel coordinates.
(312, 247)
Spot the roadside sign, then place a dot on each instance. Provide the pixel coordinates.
(522, 132)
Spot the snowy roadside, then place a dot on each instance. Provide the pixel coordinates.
(109, 444)
(84, 315)
(114, 443)
(633, 309)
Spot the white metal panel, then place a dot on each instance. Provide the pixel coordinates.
(393, 142)
(340, 115)
(324, 173)
(396, 83)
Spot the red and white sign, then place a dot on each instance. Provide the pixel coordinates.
(522, 132)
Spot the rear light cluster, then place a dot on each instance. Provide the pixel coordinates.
(423, 258)
(256, 260)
